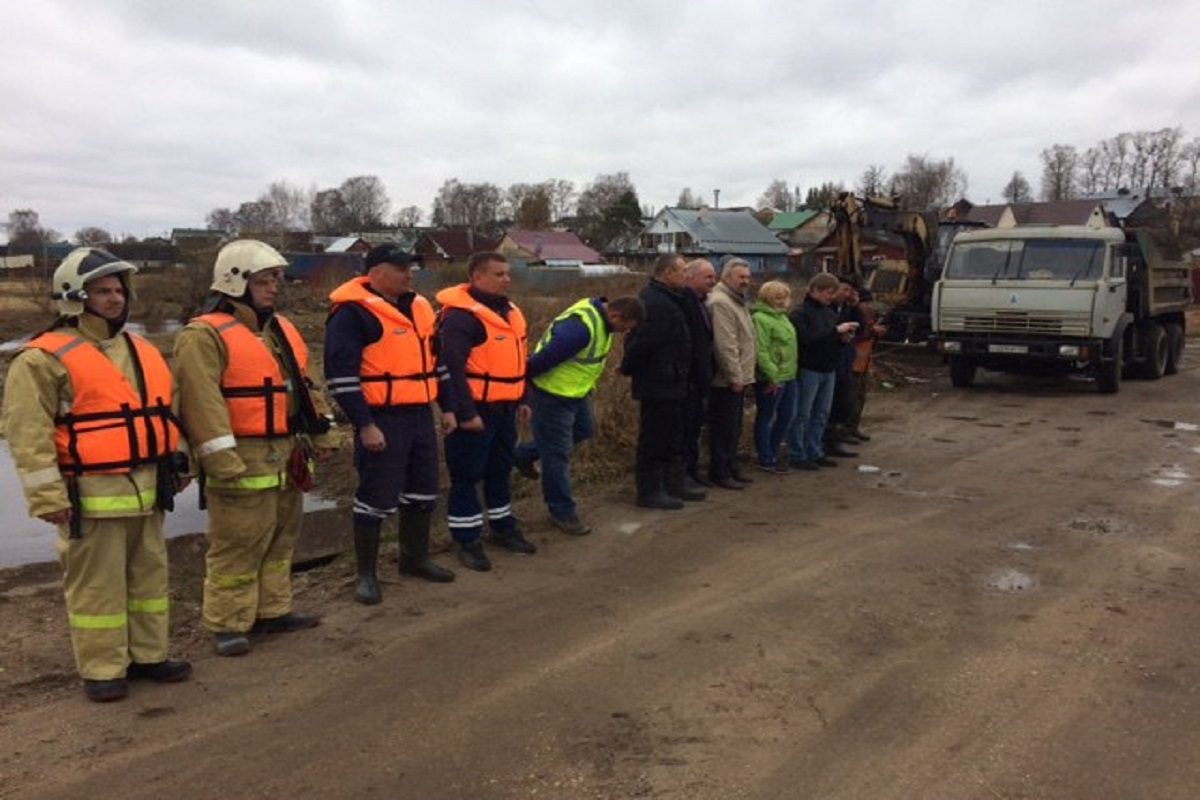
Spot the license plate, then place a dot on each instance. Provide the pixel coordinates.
(1015, 349)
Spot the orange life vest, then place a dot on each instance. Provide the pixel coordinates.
(112, 426)
(398, 369)
(254, 386)
(496, 368)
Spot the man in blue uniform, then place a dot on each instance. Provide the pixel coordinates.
(379, 367)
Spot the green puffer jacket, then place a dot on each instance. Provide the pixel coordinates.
(778, 349)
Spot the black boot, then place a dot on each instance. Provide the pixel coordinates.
(366, 552)
(676, 482)
(414, 547)
(650, 492)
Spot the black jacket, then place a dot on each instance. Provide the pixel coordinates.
(699, 324)
(816, 328)
(658, 353)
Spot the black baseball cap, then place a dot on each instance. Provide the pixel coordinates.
(390, 254)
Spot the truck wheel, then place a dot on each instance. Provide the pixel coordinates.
(1154, 351)
(962, 372)
(1175, 341)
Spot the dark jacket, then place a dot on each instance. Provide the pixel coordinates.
(699, 323)
(816, 330)
(658, 353)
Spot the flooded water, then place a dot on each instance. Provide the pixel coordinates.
(26, 540)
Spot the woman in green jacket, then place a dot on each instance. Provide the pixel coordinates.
(775, 391)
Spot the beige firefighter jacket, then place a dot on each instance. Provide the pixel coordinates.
(38, 389)
(237, 464)
(735, 343)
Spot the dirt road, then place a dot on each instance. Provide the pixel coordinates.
(1006, 609)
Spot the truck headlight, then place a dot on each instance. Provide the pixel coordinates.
(1069, 350)
(951, 347)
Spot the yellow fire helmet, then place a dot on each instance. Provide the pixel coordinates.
(83, 264)
(240, 259)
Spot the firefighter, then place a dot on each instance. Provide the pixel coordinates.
(87, 409)
(255, 424)
(482, 340)
(379, 367)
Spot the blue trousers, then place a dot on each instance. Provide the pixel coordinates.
(806, 441)
(773, 419)
(560, 424)
(405, 474)
(485, 456)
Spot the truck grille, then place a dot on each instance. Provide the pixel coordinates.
(970, 321)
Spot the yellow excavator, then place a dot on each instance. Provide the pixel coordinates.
(902, 288)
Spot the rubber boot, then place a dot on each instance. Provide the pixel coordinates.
(650, 492)
(414, 547)
(366, 551)
(677, 484)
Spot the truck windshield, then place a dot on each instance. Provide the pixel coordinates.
(1026, 260)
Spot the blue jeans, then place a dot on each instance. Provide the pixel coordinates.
(773, 419)
(560, 424)
(806, 442)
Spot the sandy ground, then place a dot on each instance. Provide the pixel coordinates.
(1002, 606)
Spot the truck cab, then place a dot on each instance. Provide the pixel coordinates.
(1058, 299)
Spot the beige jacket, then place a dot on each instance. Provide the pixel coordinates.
(200, 361)
(735, 347)
(37, 389)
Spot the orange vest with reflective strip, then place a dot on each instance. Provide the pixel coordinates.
(496, 368)
(254, 386)
(399, 368)
(112, 426)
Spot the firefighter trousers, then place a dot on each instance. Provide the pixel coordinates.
(115, 584)
(248, 570)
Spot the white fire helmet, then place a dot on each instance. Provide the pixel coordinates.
(240, 259)
(83, 264)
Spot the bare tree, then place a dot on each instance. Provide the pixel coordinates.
(562, 198)
(409, 217)
(470, 205)
(533, 214)
(778, 196)
(1017, 189)
(327, 212)
(688, 199)
(366, 202)
(873, 182)
(290, 206)
(927, 184)
(92, 236)
(223, 219)
(1059, 163)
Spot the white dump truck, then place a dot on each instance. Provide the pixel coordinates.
(1060, 299)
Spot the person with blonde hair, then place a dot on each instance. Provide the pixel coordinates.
(775, 391)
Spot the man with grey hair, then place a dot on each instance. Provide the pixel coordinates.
(735, 350)
(700, 277)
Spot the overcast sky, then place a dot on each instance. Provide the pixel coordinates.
(138, 116)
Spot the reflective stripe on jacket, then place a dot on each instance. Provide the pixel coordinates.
(578, 375)
(253, 384)
(495, 369)
(112, 426)
(398, 369)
